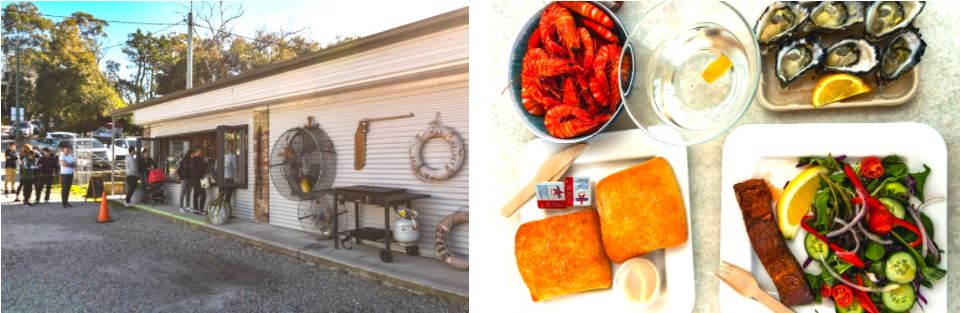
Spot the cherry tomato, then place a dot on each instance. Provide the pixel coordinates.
(825, 291)
(842, 295)
(871, 167)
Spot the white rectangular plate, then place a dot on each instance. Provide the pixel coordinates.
(771, 151)
(606, 154)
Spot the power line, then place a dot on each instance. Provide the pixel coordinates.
(109, 21)
(277, 42)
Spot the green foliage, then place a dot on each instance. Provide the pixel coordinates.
(62, 82)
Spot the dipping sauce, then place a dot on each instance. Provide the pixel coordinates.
(639, 281)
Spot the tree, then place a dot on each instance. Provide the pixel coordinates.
(71, 89)
(27, 32)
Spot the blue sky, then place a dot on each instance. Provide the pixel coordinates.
(324, 20)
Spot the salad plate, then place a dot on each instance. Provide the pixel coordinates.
(606, 153)
(772, 152)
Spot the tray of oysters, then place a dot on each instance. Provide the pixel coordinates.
(803, 42)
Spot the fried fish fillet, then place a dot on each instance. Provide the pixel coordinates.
(641, 210)
(755, 198)
(561, 255)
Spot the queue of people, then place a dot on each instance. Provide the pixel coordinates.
(37, 169)
(191, 170)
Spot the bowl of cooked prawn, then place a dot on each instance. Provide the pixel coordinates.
(566, 71)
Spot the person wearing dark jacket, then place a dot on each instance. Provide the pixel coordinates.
(198, 168)
(28, 172)
(47, 167)
(145, 163)
(185, 181)
(10, 168)
(27, 151)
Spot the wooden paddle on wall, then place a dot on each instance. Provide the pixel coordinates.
(360, 138)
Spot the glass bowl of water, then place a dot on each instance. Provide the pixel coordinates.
(666, 90)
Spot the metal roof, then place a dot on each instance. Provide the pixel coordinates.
(433, 24)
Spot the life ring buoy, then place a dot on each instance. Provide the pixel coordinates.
(420, 169)
(441, 247)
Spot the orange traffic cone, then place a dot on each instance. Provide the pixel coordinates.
(104, 210)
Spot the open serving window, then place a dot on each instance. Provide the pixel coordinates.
(226, 145)
(231, 169)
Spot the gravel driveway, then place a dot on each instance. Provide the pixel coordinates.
(57, 260)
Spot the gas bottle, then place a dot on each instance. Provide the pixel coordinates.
(405, 229)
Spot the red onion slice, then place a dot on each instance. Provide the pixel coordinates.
(861, 211)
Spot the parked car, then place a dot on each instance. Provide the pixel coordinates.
(104, 134)
(92, 149)
(62, 136)
(121, 148)
(22, 128)
(51, 143)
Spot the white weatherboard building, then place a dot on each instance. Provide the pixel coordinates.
(420, 68)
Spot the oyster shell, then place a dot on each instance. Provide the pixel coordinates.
(779, 21)
(901, 55)
(883, 18)
(854, 56)
(796, 58)
(836, 15)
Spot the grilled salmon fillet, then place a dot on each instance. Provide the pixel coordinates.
(755, 198)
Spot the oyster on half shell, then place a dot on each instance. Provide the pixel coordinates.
(901, 55)
(779, 21)
(883, 18)
(854, 56)
(836, 15)
(796, 58)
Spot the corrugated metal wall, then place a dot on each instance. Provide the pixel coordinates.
(388, 142)
(243, 198)
(388, 145)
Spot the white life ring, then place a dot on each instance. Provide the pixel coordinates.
(441, 247)
(420, 169)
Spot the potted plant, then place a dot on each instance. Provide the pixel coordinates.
(218, 211)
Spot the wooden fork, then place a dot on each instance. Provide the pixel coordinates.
(746, 285)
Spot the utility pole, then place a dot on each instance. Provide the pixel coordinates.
(190, 47)
(19, 106)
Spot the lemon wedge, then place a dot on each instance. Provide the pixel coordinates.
(836, 87)
(796, 200)
(717, 68)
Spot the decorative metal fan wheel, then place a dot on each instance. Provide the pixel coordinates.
(302, 162)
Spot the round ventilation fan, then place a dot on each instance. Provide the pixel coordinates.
(316, 216)
(303, 162)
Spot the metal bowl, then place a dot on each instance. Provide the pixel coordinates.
(535, 123)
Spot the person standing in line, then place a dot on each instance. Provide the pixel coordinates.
(67, 165)
(28, 169)
(183, 173)
(145, 164)
(229, 174)
(47, 167)
(198, 168)
(27, 151)
(10, 168)
(130, 163)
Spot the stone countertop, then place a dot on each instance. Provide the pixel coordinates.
(937, 104)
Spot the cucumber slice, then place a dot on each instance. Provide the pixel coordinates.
(854, 307)
(894, 206)
(900, 267)
(816, 249)
(900, 299)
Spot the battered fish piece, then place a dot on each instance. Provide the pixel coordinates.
(561, 255)
(755, 198)
(641, 210)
